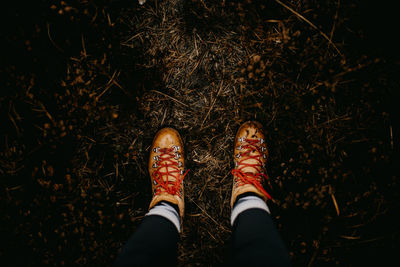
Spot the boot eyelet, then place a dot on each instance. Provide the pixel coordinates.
(177, 156)
(155, 165)
(179, 164)
(155, 182)
(176, 148)
(239, 148)
(241, 139)
(156, 158)
(238, 155)
(156, 149)
(262, 141)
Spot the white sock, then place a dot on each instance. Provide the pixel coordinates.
(245, 203)
(168, 212)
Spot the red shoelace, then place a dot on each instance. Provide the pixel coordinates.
(168, 161)
(248, 177)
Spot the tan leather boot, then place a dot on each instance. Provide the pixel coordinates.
(166, 168)
(250, 158)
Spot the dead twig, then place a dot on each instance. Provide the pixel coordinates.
(109, 84)
(12, 109)
(334, 201)
(170, 97)
(391, 137)
(334, 20)
(83, 46)
(131, 39)
(209, 216)
(51, 39)
(212, 105)
(301, 17)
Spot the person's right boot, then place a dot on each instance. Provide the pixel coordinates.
(167, 169)
(250, 157)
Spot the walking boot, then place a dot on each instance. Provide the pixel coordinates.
(166, 168)
(250, 158)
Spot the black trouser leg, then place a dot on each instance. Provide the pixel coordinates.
(155, 242)
(256, 241)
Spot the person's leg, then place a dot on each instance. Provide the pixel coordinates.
(255, 240)
(155, 242)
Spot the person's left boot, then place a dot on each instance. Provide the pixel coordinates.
(250, 157)
(166, 168)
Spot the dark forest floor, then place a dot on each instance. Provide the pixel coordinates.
(86, 85)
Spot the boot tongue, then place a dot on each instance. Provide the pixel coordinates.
(170, 176)
(247, 160)
(167, 160)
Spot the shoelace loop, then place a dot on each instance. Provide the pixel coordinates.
(167, 159)
(248, 177)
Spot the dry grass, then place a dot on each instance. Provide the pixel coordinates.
(203, 68)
